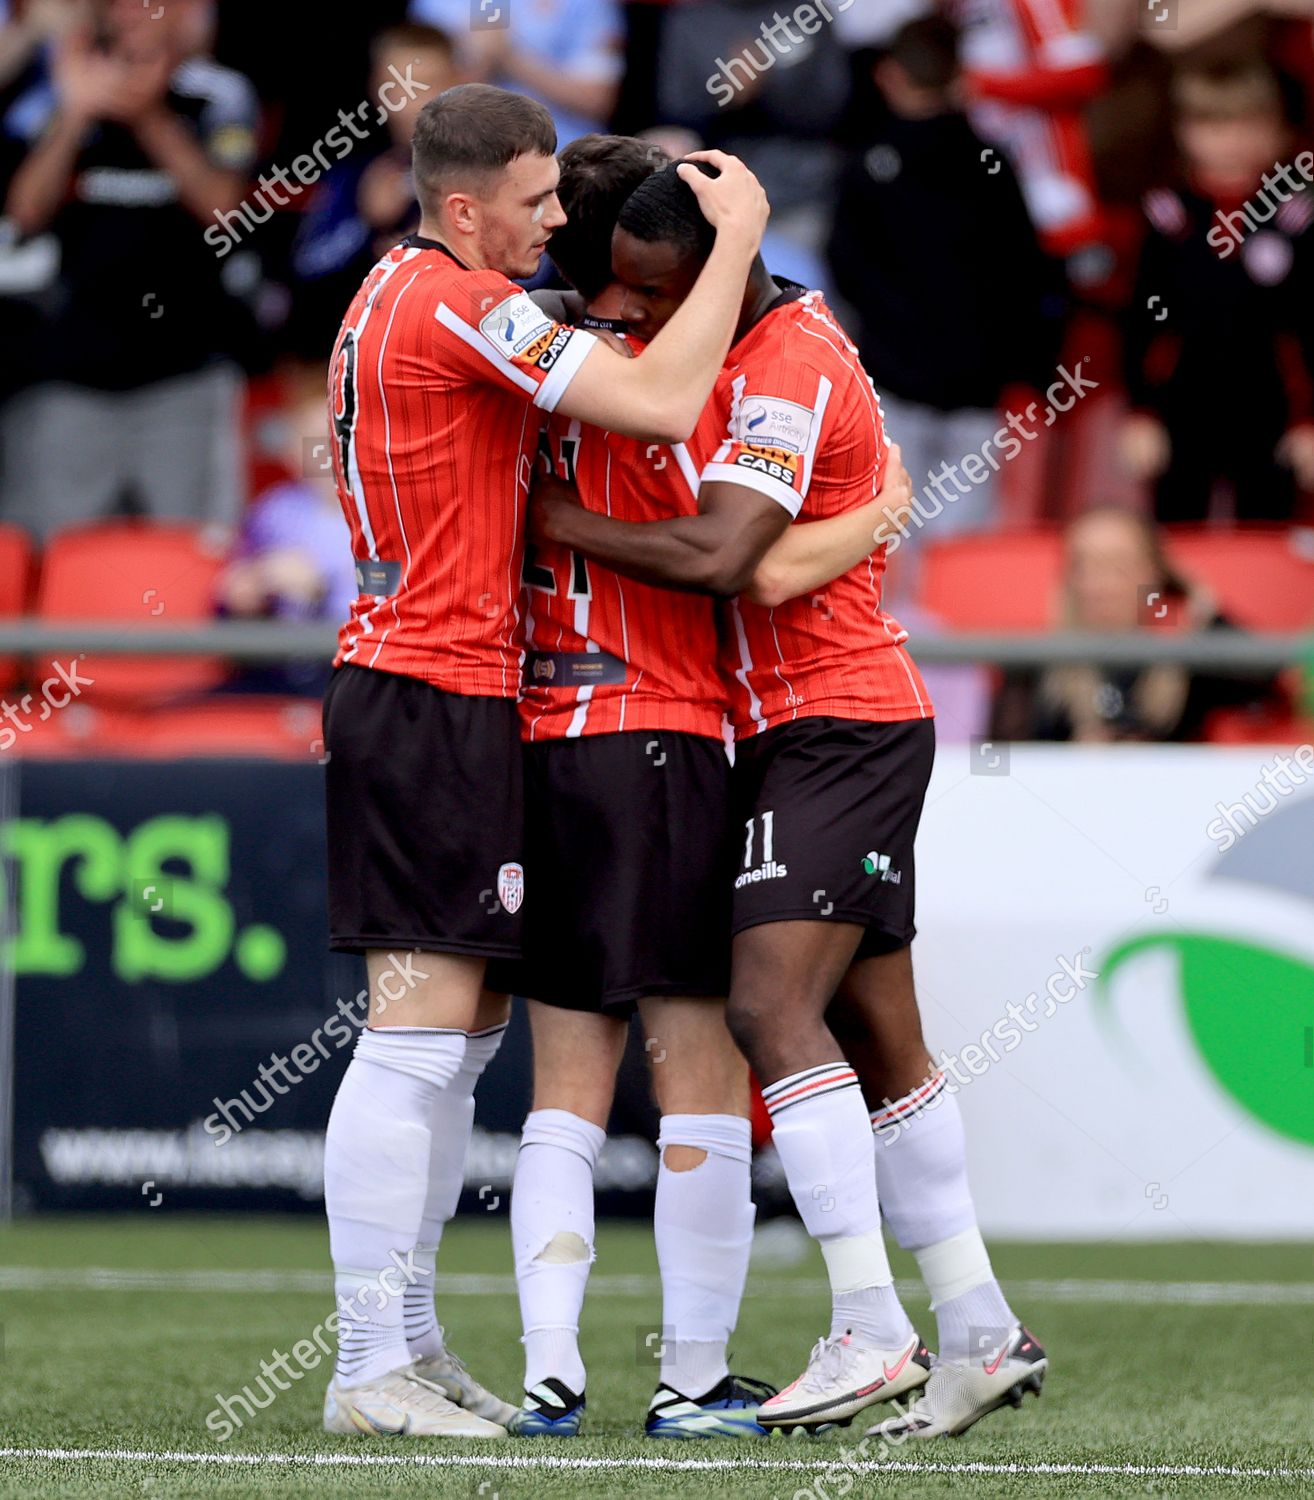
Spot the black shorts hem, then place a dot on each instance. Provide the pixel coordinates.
(630, 996)
(848, 917)
(379, 942)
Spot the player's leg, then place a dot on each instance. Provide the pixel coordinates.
(576, 1055)
(451, 1125)
(784, 976)
(819, 866)
(376, 1172)
(702, 1218)
(417, 823)
(985, 1355)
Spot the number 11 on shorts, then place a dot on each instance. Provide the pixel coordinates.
(768, 839)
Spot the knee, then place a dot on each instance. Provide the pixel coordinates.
(744, 1020)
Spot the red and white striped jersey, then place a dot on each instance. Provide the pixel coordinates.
(662, 645)
(797, 419)
(436, 385)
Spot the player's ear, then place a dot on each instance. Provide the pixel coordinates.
(462, 212)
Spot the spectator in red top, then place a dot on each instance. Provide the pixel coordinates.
(1219, 339)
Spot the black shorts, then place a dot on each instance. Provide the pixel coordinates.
(826, 812)
(425, 816)
(625, 843)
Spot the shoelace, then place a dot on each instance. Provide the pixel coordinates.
(425, 1397)
(827, 1360)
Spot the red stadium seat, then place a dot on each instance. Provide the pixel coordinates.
(1258, 726)
(265, 727)
(1262, 576)
(16, 559)
(277, 728)
(998, 580)
(149, 574)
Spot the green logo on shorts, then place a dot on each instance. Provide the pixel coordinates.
(879, 864)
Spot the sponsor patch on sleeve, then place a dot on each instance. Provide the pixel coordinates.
(521, 331)
(764, 422)
(772, 463)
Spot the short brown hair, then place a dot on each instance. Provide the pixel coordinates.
(411, 36)
(471, 131)
(1228, 91)
(598, 173)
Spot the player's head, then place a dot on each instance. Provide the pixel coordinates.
(598, 174)
(486, 176)
(660, 245)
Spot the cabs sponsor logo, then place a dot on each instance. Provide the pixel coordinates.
(775, 463)
(551, 351)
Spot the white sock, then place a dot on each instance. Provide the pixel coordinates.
(921, 1175)
(703, 1222)
(450, 1127)
(552, 1235)
(821, 1130)
(376, 1161)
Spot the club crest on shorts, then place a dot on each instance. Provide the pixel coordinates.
(511, 886)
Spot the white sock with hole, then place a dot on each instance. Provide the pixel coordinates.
(703, 1222)
(921, 1175)
(821, 1130)
(552, 1235)
(450, 1127)
(376, 1163)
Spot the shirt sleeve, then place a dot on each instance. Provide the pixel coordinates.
(495, 333)
(773, 430)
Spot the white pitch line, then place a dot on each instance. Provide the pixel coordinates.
(550, 1461)
(1069, 1289)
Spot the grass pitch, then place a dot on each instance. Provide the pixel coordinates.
(1175, 1370)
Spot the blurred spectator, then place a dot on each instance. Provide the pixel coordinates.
(138, 141)
(1031, 67)
(364, 205)
(1117, 579)
(939, 260)
(292, 558)
(565, 53)
(750, 78)
(1221, 320)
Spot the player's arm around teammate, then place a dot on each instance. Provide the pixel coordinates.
(834, 754)
(436, 366)
(626, 780)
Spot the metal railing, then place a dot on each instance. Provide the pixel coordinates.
(269, 641)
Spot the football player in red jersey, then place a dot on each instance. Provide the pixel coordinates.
(439, 375)
(626, 822)
(834, 744)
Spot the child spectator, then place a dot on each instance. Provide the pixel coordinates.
(365, 204)
(292, 559)
(1218, 341)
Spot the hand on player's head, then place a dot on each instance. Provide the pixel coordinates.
(733, 201)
